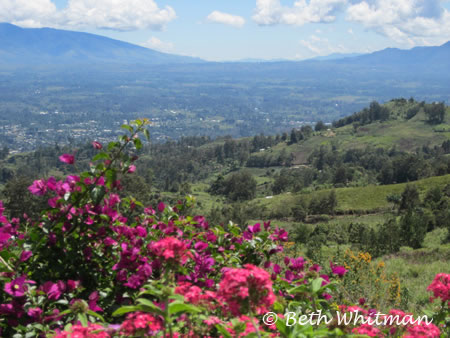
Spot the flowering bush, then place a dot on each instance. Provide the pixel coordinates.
(98, 265)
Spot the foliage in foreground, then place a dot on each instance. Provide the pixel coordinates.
(98, 265)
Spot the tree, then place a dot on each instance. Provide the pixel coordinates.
(19, 201)
(239, 186)
(4, 152)
(300, 211)
(435, 112)
(413, 227)
(340, 175)
(410, 198)
(293, 138)
(280, 184)
(320, 126)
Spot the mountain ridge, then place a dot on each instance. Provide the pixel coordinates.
(43, 46)
(48, 45)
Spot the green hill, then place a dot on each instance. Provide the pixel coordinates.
(355, 200)
(405, 134)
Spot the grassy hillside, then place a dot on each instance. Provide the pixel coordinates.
(357, 200)
(399, 132)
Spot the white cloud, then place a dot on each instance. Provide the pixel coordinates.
(110, 14)
(155, 43)
(271, 12)
(118, 14)
(26, 13)
(226, 19)
(322, 46)
(408, 22)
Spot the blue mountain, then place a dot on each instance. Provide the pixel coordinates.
(40, 46)
(418, 56)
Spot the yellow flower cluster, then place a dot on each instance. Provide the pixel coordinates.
(370, 278)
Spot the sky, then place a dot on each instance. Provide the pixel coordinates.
(227, 30)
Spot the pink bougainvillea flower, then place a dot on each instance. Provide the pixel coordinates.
(289, 276)
(368, 330)
(247, 235)
(93, 299)
(25, 255)
(423, 330)
(161, 206)
(53, 290)
(277, 269)
(326, 279)
(255, 228)
(248, 325)
(440, 287)
(38, 188)
(212, 320)
(171, 248)
(141, 323)
(315, 267)
(79, 331)
(327, 296)
(279, 235)
(97, 145)
(131, 169)
(4, 238)
(200, 246)
(247, 288)
(297, 264)
(72, 285)
(67, 158)
(34, 313)
(16, 287)
(338, 270)
(52, 184)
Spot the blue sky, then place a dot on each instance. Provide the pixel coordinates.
(240, 29)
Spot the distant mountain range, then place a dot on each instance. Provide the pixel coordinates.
(336, 56)
(47, 46)
(40, 46)
(424, 56)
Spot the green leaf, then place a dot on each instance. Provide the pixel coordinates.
(223, 331)
(148, 306)
(177, 307)
(83, 319)
(96, 315)
(125, 309)
(101, 156)
(316, 284)
(68, 327)
(147, 134)
(298, 289)
(137, 143)
(282, 328)
(112, 145)
(111, 176)
(65, 312)
(177, 297)
(127, 127)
